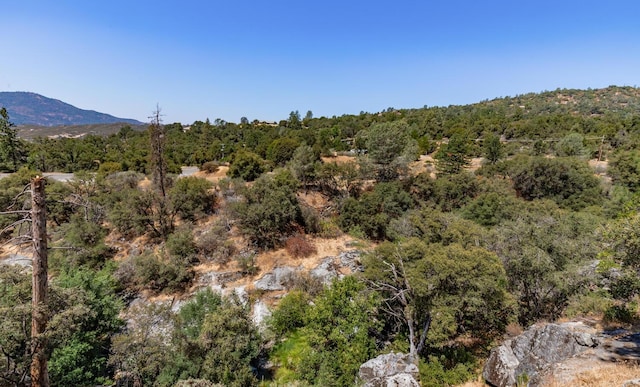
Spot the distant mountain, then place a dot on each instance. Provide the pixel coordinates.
(27, 108)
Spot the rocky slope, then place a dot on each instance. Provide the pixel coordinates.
(555, 354)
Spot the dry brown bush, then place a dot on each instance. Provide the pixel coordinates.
(215, 246)
(304, 282)
(299, 247)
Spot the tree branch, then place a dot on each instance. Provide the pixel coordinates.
(15, 212)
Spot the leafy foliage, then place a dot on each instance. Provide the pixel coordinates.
(493, 150)
(270, 211)
(540, 253)
(291, 313)
(341, 330)
(142, 352)
(625, 169)
(247, 166)
(438, 293)
(12, 152)
(191, 197)
(453, 156)
(372, 212)
(567, 181)
(81, 357)
(390, 149)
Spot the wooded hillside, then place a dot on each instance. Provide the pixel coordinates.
(468, 221)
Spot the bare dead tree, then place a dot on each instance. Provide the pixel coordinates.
(37, 216)
(158, 162)
(160, 179)
(40, 315)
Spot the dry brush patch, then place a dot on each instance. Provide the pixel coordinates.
(298, 246)
(605, 375)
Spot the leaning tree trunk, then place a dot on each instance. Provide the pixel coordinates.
(39, 316)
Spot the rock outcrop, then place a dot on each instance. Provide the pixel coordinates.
(17, 259)
(527, 356)
(351, 260)
(326, 271)
(276, 279)
(390, 370)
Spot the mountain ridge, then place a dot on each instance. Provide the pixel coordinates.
(29, 108)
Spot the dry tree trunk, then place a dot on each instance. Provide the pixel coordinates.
(39, 316)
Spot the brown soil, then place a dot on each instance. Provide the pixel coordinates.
(313, 199)
(221, 173)
(340, 159)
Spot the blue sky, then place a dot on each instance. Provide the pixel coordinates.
(264, 59)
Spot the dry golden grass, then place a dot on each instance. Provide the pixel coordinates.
(605, 375)
(339, 159)
(613, 374)
(221, 173)
(473, 384)
(313, 199)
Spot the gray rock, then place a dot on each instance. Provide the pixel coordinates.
(260, 313)
(351, 260)
(326, 271)
(218, 278)
(241, 293)
(501, 366)
(631, 383)
(402, 380)
(535, 350)
(392, 369)
(18, 259)
(276, 279)
(177, 305)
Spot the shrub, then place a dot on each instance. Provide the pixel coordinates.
(271, 211)
(619, 313)
(625, 286)
(329, 229)
(290, 313)
(591, 304)
(569, 182)
(214, 246)
(247, 262)
(161, 275)
(374, 210)
(247, 166)
(311, 219)
(624, 169)
(447, 370)
(298, 246)
(571, 145)
(281, 150)
(191, 197)
(489, 209)
(448, 191)
(109, 167)
(210, 167)
(304, 282)
(181, 245)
